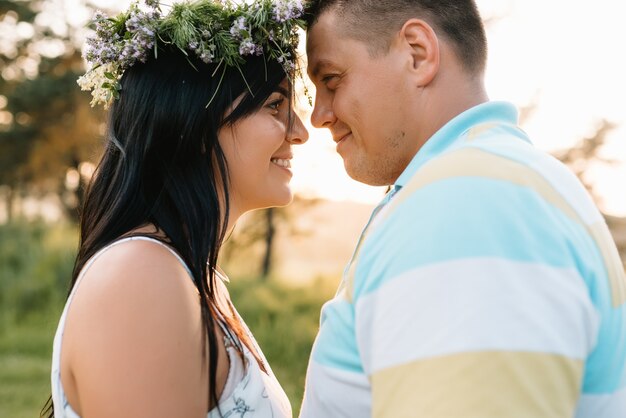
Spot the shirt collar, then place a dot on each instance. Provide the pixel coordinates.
(452, 131)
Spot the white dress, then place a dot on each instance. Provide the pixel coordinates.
(248, 392)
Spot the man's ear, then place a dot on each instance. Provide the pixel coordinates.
(421, 42)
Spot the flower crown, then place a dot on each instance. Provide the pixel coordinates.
(215, 31)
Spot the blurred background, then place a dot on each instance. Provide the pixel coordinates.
(561, 62)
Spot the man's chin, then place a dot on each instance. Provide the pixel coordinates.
(371, 177)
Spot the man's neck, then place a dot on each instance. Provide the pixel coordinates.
(459, 97)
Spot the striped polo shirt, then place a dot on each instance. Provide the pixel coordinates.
(488, 287)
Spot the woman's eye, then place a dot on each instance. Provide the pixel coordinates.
(274, 105)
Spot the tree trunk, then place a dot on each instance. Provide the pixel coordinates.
(9, 204)
(269, 243)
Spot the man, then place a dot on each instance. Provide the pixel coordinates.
(486, 283)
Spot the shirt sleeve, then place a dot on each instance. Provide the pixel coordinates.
(469, 302)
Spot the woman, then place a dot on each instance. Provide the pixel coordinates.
(199, 133)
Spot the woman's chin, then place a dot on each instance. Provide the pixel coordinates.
(284, 198)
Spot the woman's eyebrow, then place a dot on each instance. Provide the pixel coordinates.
(282, 91)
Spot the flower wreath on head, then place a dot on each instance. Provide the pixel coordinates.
(215, 31)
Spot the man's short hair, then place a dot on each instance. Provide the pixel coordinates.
(375, 21)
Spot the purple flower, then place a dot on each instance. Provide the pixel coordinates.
(107, 46)
(247, 47)
(285, 10)
(256, 28)
(239, 27)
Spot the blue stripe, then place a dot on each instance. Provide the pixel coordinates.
(466, 217)
(471, 217)
(336, 344)
(605, 371)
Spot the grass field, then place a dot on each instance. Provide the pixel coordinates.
(25, 352)
(35, 262)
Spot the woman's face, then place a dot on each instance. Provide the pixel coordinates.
(258, 152)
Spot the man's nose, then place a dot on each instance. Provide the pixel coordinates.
(323, 115)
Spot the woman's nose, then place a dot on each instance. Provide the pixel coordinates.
(298, 134)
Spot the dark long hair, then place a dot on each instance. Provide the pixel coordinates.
(163, 165)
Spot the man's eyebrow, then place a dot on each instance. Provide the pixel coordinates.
(317, 68)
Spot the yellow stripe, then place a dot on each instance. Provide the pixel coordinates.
(479, 163)
(480, 385)
(475, 162)
(615, 269)
(477, 131)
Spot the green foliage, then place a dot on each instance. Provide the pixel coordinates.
(35, 268)
(221, 33)
(59, 130)
(25, 353)
(284, 320)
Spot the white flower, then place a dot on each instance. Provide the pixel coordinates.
(100, 84)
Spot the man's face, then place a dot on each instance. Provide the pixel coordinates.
(362, 100)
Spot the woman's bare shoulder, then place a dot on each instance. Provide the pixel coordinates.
(135, 325)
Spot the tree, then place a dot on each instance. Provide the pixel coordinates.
(579, 158)
(46, 126)
(586, 152)
(256, 237)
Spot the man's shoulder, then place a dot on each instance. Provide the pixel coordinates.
(495, 176)
(491, 151)
(498, 159)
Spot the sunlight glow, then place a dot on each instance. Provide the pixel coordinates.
(565, 55)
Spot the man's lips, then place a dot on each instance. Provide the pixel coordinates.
(338, 139)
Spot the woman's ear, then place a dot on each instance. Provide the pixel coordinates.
(420, 42)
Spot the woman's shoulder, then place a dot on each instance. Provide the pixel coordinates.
(130, 284)
(135, 309)
(134, 264)
(135, 274)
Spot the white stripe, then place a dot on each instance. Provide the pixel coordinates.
(602, 406)
(335, 393)
(475, 304)
(566, 183)
(558, 175)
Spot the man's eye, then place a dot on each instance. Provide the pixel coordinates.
(331, 81)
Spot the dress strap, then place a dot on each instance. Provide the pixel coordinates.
(121, 241)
